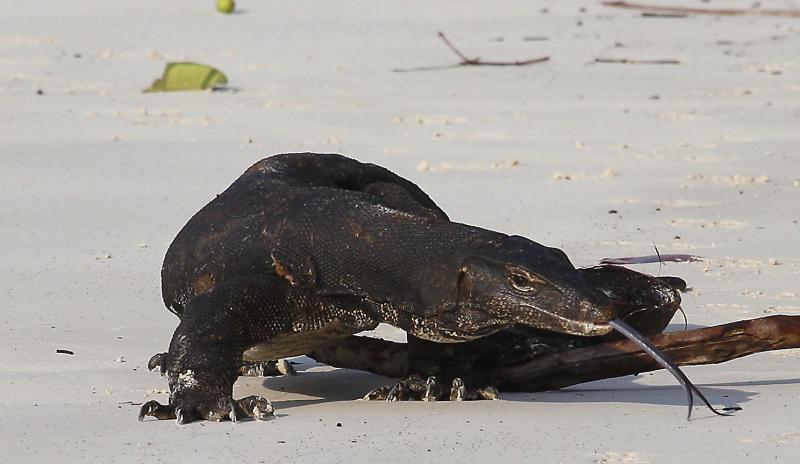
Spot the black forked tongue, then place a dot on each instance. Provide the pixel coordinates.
(667, 364)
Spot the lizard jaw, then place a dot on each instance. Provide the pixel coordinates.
(572, 326)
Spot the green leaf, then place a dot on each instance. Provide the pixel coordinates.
(188, 76)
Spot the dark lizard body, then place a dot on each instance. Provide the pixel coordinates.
(305, 250)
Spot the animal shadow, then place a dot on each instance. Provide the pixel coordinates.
(318, 383)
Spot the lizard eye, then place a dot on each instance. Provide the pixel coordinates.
(521, 282)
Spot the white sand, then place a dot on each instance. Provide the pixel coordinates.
(96, 178)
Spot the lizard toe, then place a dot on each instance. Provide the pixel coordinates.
(432, 390)
(398, 392)
(377, 394)
(412, 388)
(223, 410)
(159, 360)
(488, 393)
(458, 391)
(182, 417)
(155, 409)
(256, 407)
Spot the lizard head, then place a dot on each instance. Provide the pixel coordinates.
(514, 280)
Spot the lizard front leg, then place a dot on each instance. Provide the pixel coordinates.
(205, 355)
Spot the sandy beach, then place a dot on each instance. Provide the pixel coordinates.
(701, 156)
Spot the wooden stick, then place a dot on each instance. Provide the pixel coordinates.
(677, 10)
(663, 15)
(658, 258)
(711, 345)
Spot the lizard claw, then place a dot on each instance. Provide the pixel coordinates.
(376, 394)
(431, 387)
(458, 391)
(232, 409)
(397, 392)
(181, 417)
(489, 393)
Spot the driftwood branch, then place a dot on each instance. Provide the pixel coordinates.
(677, 10)
(710, 345)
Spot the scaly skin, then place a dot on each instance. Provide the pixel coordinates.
(305, 250)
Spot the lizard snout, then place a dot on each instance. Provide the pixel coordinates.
(596, 317)
(589, 319)
(596, 313)
(583, 318)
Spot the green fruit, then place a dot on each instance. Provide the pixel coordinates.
(225, 6)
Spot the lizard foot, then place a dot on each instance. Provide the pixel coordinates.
(413, 388)
(267, 368)
(254, 407)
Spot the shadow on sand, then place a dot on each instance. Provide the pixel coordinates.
(348, 385)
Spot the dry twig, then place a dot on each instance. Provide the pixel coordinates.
(464, 61)
(634, 61)
(478, 62)
(677, 10)
(663, 15)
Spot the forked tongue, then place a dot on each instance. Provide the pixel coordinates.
(667, 364)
